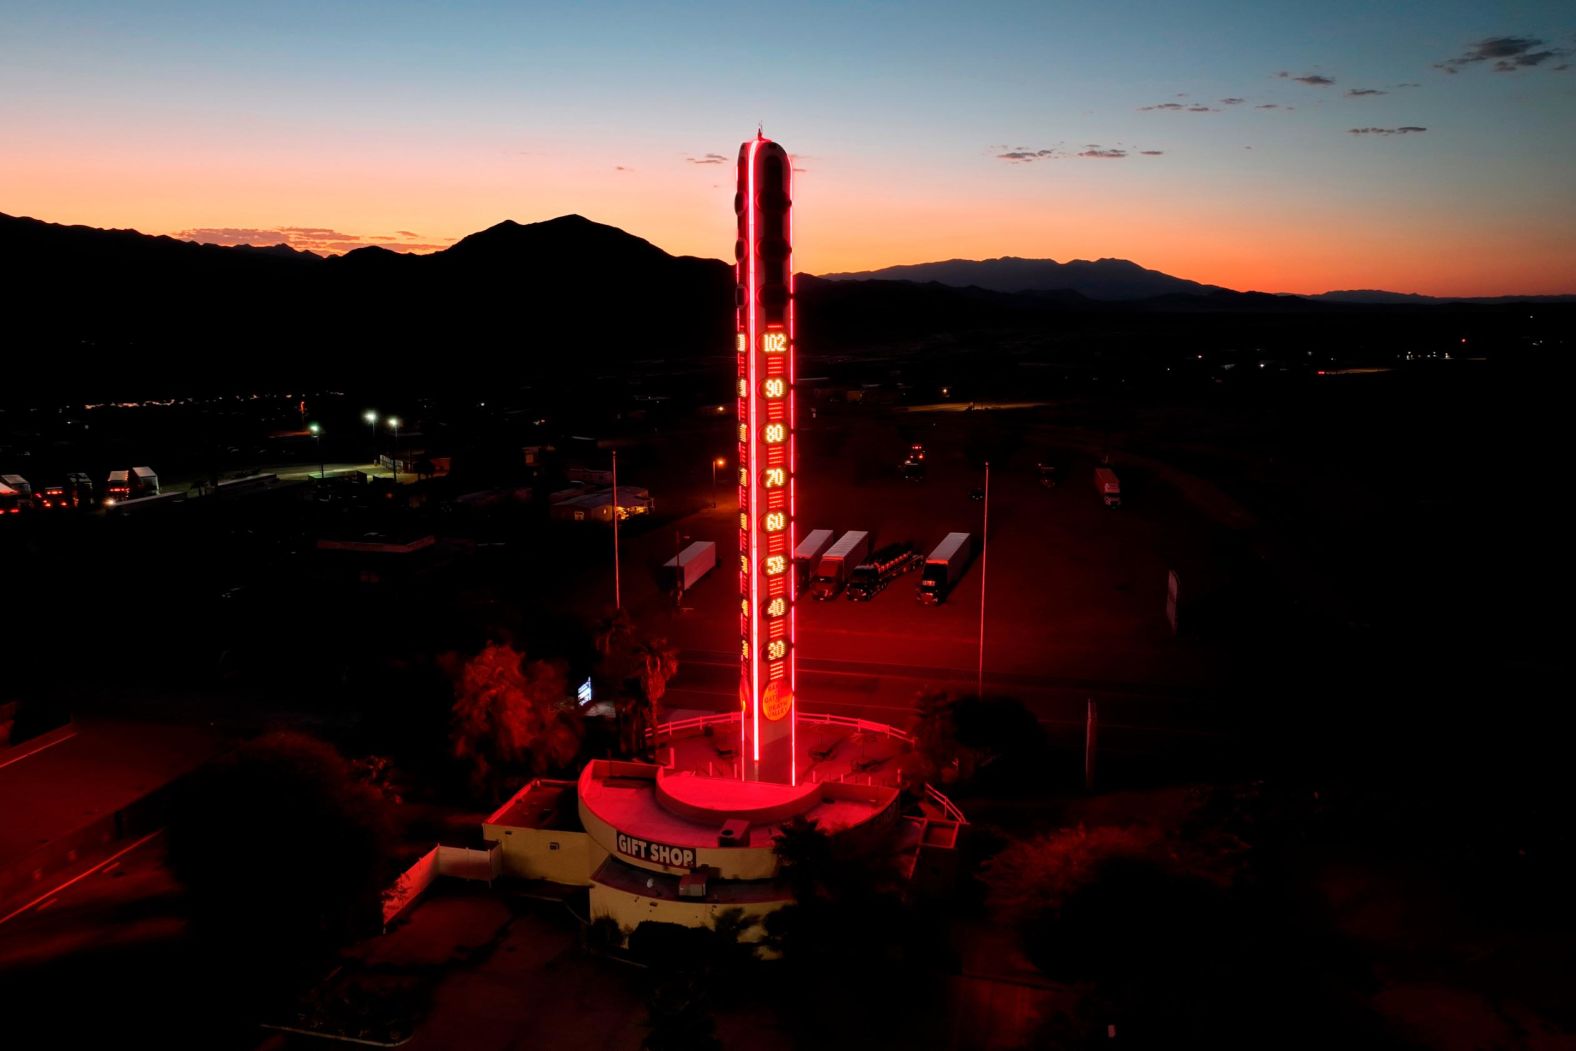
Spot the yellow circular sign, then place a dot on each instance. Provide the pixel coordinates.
(778, 701)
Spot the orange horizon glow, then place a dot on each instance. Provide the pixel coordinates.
(851, 221)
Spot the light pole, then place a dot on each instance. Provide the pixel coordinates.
(394, 423)
(317, 436)
(618, 602)
(716, 462)
(371, 417)
(979, 683)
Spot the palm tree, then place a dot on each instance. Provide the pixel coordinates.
(656, 663)
(805, 857)
(936, 732)
(612, 633)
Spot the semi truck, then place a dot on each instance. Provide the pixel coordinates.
(689, 565)
(832, 572)
(871, 576)
(943, 567)
(118, 487)
(144, 482)
(1110, 489)
(810, 549)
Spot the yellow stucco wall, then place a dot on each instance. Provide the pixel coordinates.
(730, 862)
(631, 910)
(542, 853)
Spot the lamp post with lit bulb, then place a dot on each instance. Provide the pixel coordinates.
(394, 423)
(317, 437)
(371, 418)
(716, 462)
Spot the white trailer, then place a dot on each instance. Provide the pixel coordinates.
(144, 482)
(839, 560)
(943, 568)
(809, 551)
(694, 562)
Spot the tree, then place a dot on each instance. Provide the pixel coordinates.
(960, 737)
(935, 734)
(804, 858)
(510, 714)
(653, 663)
(636, 672)
(284, 857)
(1033, 875)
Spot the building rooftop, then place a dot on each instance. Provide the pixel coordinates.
(541, 804)
(634, 798)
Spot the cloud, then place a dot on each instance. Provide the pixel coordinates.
(1090, 151)
(313, 231)
(1232, 102)
(622, 168)
(1404, 130)
(1024, 155)
(232, 235)
(1267, 105)
(1408, 84)
(1508, 53)
(1201, 109)
(1314, 79)
(1174, 106)
(1353, 93)
(320, 239)
(708, 158)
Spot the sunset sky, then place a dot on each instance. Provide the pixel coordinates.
(1419, 146)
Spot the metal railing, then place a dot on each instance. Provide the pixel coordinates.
(948, 807)
(667, 731)
(700, 722)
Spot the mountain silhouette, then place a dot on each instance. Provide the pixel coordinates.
(1099, 279)
(110, 310)
(567, 307)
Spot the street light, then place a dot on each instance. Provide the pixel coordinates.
(394, 423)
(317, 436)
(715, 463)
(371, 417)
(979, 682)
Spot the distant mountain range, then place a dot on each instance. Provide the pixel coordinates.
(1099, 279)
(92, 312)
(1115, 280)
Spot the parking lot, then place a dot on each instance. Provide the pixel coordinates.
(1075, 591)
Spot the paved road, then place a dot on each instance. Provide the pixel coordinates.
(127, 896)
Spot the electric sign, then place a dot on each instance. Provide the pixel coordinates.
(764, 344)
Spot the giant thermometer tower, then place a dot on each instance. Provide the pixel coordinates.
(764, 340)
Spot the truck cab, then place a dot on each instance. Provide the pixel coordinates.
(117, 487)
(869, 578)
(942, 569)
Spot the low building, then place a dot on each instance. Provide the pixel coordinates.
(683, 839)
(596, 505)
